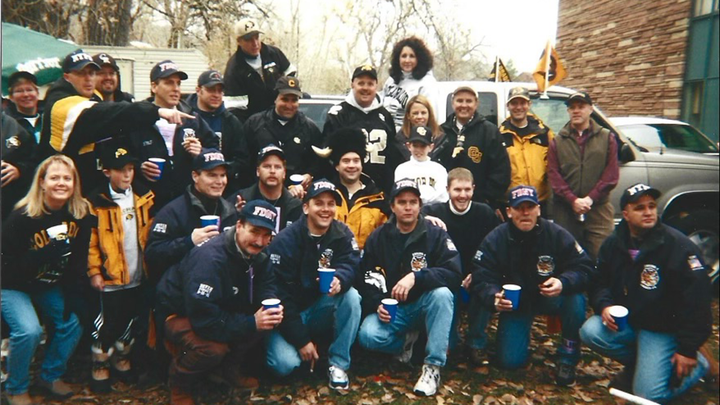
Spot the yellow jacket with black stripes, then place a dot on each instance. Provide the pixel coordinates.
(367, 213)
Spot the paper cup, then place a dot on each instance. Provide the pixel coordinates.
(620, 315)
(390, 305)
(326, 277)
(58, 232)
(206, 220)
(296, 179)
(270, 303)
(160, 162)
(512, 293)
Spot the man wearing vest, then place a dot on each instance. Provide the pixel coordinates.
(583, 169)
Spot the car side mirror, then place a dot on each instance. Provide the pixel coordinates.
(626, 153)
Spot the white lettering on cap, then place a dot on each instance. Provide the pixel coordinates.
(523, 192)
(104, 58)
(214, 156)
(637, 188)
(405, 183)
(265, 213)
(167, 66)
(323, 184)
(80, 56)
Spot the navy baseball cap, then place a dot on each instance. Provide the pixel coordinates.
(77, 60)
(634, 192)
(259, 213)
(210, 78)
(403, 185)
(320, 186)
(21, 74)
(421, 134)
(208, 159)
(521, 194)
(164, 69)
(270, 150)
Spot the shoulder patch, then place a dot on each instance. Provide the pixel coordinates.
(478, 255)
(355, 245)
(450, 245)
(161, 228)
(275, 258)
(334, 110)
(695, 263)
(204, 290)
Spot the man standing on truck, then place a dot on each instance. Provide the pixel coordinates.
(583, 169)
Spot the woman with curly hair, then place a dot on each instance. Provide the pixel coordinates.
(418, 113)
(410, 74)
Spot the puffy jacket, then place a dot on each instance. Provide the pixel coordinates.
(18, 149)
(483, 154)
(666, 287)
(106, 255)
(170, 238)
(508, 255)
(527, 150)
(248, 91)
(295, 257)
(428, 252)
(211, 286)
(365, 212)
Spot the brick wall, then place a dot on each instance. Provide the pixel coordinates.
(630, 55)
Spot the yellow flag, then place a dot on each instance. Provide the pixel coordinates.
(549, 70)
(499, 73)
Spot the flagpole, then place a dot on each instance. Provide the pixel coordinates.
(548, 55)
(497, 67)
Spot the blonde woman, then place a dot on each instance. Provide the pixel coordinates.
(418, 113)
(44, 245)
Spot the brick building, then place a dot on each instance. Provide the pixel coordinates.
(657, 58)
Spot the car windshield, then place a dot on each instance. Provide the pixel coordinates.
(317, 110)
(673, 136)
(552, 112)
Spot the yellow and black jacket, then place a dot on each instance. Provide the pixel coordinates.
(365, 212)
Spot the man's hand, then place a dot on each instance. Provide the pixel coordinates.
(97, 282)
(309, 352)
(436, 221)
(467, 281)
(307, 179)
(501, 304)
(551, 288)
(267, 319)
(582, 205)
(297, 191)
(202, 235)
(335, 287)
(8, 173)
(192, 146)
(150, 170)
(402, 288)
(173, 116)
(383, 314)
(240, 203)
(608, 320)
(683, 365)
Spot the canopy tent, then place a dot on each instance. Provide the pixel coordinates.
(31, 51)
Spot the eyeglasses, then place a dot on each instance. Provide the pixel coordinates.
(84, 73)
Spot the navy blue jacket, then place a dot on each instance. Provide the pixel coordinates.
(666, 287)
(295, 257)
(170, 236)
(211, 286)
(429, 253)
(508, 255)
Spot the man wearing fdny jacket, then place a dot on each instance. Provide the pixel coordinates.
(417, 264)
(211, 304)
(178, 227)
(315, 241)
(657, 274)
(552, 270)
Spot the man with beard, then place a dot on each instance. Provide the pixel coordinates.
(107, 80)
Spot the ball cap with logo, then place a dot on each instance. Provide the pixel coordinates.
(270, 150)
(634, 192)
(208, 159)
(259, 213)
(77, 61)
(581, 96)
(404, 185)
(210, 78)
(518, 92)
(115, 155)
(248, 26)
(364, 70)
(520, 194)
(165, 69)
(288, 85)
(421, 134)
(320, 186)
(102, 59)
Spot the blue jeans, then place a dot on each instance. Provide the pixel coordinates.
(513, 335)
(650, 352)
(283, 358)
(433, 310)
(25, 331)
(478, 319)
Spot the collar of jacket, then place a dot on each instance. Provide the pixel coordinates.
(225, 208)
(450, 123)
(333, 233)
(593, 129)
(232, 248)
(517, 235)
(192, 102)
(420, 229)
(254, 193)
(652, 240)
(535, 125)
(264, 55)
(100, 197)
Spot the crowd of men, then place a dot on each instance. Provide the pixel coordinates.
(207, 208)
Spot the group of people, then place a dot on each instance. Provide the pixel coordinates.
(204, 230)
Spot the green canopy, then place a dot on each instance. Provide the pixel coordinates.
(31, 51)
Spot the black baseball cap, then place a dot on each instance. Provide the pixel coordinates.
(116, 157)
(208, 159)
(519, 92)
(320, 186)
(210, 78)
(259, 213)
(77, 60)
(164, 69)
(581, 96)
(634, 192)
(288, 85)
(403, 185)
(521, 194)
(21, 74)
(421, 134)
(102, 59)
(364, 70)
(270, 150)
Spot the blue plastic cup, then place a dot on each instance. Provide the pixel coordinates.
(512, 293)
(464, 295)
(620, 315)
(206, 220)
(270, 303)
(160, 162)
(390, 305)
(326, 278)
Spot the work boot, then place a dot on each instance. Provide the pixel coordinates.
(233, 376)
(121, 362)
(565, 376)
(478, 357)
(179, 396)
(20, 399)
(58, 388)
(100, 382)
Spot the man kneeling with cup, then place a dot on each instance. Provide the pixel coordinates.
(211, 302)
(526, 267)
(410, 268)
(652, 301)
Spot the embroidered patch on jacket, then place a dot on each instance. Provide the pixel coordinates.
(478, 255)
(649, 277)
(695, 263)
(545, 266)
(418, 261)
(162, 228)
(275, 258)
(325, 259)
(376, 278)
(188, 133)
(355, 245)
(474, 154)
(12, 142)
(204, 290)
(450, 245)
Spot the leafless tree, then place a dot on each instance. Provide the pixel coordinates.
(110, 22)
(52, 17)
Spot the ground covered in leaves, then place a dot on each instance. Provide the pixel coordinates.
(377, 379)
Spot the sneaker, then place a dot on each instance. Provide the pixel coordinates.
(478, 357)
(338, 378)
(410, 339)
(623, 381)
(57, 388)
(565, 375)
(429, 380)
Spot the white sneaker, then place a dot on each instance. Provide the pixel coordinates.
(338, 378)
(429, 380)
(410, 339)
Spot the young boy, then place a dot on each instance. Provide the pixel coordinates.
(116, 266)
(430, 176)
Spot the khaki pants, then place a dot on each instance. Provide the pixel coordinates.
(591, 233)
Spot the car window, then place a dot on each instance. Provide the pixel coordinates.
(673, 136)
(487, 106)
(552, 112)
(317, 112)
